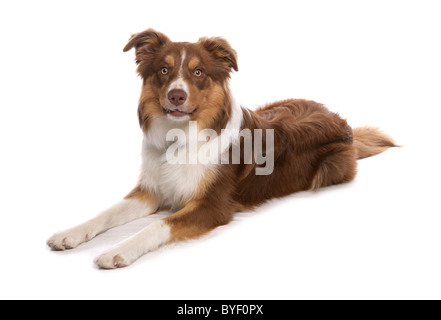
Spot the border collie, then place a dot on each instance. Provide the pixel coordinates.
(204, 157)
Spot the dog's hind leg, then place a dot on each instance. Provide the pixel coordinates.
(337, 165)
(135, 205)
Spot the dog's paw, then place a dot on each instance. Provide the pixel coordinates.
(68, 239)
(113, 259)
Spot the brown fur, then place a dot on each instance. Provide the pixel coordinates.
(313, 147)
(141, 195)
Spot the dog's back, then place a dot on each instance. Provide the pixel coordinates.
(313, 148)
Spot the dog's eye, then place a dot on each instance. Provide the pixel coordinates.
(164, 70)
(198, 73)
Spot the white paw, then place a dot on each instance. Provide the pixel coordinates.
(114, 259)
(68, 239)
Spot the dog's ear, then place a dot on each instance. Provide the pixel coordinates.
(221, 50)
(146, 43)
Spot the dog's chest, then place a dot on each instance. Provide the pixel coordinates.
(174, 183)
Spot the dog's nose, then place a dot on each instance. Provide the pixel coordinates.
(177, 97)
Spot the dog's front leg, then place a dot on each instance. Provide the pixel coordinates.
(135, 205)
(195, 219)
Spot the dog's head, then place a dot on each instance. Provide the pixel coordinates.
(183, 81)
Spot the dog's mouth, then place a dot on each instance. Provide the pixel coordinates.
(179, 113)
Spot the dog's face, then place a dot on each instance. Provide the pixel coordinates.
(183, 81)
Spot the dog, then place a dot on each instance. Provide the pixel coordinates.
(298, 145)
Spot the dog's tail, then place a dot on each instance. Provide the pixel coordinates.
(369, 141)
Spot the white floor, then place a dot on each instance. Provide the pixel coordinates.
(70, 146)
(377, 237)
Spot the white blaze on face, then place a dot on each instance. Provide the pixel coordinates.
(180, 83)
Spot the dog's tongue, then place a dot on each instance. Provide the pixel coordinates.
(178, 113)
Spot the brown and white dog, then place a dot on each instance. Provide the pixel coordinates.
(186, 88)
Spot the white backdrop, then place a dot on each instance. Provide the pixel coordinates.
(70, 147)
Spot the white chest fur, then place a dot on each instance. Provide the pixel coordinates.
(174, 183)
